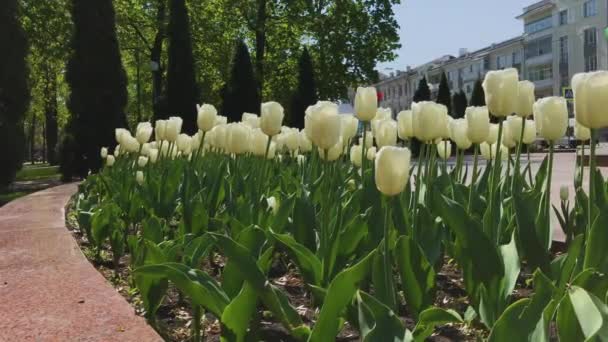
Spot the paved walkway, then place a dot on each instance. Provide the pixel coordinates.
(48, 290)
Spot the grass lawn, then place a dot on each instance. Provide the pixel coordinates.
(29, 173)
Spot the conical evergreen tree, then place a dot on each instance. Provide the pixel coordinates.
(14, 91)
(443, 94)
(478, 97)
(182, 92)
(423, 92)
(459, 104)
(306, 92)
(97, 79)
(240, 94)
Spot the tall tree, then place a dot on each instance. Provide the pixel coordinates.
(459, 104)
(97, 82)
(443, 94)
(14, 91)
(240, 93)
(423, 92)
(478, 97)
(306, 91)
(182, 93)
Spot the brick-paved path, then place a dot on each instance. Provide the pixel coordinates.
(48, 289)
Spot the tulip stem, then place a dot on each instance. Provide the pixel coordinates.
(445, 160)
(496, 168)
(517, 162)
(529, 165)
(474, 176)
(591, 177)
(363, 155)
(196, 323)
(418, 184)
(548, 194)
(388, 269)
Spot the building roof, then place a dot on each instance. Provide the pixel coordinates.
(535, 8)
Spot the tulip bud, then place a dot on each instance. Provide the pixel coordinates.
(251, 120)
(184, 143)
(371, 153)
(206, 117)
(563, 193)
(386, 133)
(529, 132)
(174, 127)
(501, 87)
(160, 127)
(324, 124)
(145, 149)
(458, 133)
(271, 119)
(366, 103)
(590, 101)
(405, 128)
(551, 117)
(238, 138)
(142, 161)
(381, 115)
(444, 149)
(509, 135)
(104, 152)
(581, 132)
(117, 150)
(110, 160)
(392, 169)
(350, 125)
(273, 205)
(143, 132)
(351, 184)
(369, 139)
(486, 151)
(478, 124)
(505, 152)
(130, 144)
(334, 152)
(120, 133)
(525, 98)
(492, 136)
(153, 155)
(272, 150)
(355, 155)
(429, 120)
(139, 177)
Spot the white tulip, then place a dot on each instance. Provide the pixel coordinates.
(324, 124)
(350, 125)
(291, 139)
(238, 138)
(142, 161)
(486, 151)
(386, 133)
(160, 127)
(478, 124)
(117, 150)
(334, 152)
(590, 100)
(220, 120)
(130, 143)
(153, 155)
(509, 138)
(251, 120)
(174, 127)
(104, 152)
(184, 143)
(429, 120)
(492, 136)
(355, 155)
(110, 160)
(501, 88)
(206, 116)
(381, 115)
(272, 150)
(444, 149)
(271, 119)
(139, 177)
(563, 193)
(551, 117)
(529, 132)
(273, 205)
(458, 133)
(304, 143)
(119, 133)
(366, 103)
(405, 128)
(145, 149)
(392, 169)
(143, 132)
(369, 139)
(371, 153)
(525, 98)
(301, 159)
(581, 132)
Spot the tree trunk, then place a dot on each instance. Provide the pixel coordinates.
(50, 114)
(33, 138)
(260, 44)
(155, 57)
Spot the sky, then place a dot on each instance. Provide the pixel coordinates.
(432, 28)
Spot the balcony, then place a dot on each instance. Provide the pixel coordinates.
(543, 84)
(538, 60)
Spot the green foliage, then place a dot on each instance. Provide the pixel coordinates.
(182, 92)
(14, 91)
(306, 92)
(459, 104)
(97, 80)
(240, 94)
(478, 97)
(444, 95)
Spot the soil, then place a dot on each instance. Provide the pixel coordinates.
(174, 317)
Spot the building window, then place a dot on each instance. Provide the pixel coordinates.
(516, 57)
(563, 49)
(468, 88)
(563, 17)
(591, 63)
(501, 62)
(538, 47)
(539, 25)
(400, 91)
(541, 72)
(589, 8)
(591, 36)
